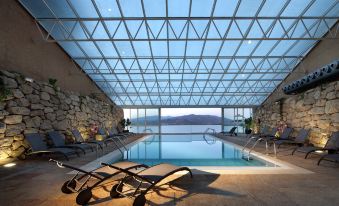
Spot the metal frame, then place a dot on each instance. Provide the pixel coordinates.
(218, 80)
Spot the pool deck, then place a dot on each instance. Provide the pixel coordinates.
(37, 182)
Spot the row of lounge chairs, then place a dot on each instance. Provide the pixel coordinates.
(143, 177)
(39, 146)
(300, 143)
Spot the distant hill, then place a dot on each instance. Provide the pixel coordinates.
(191, 119)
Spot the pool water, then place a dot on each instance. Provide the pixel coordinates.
(189, 150)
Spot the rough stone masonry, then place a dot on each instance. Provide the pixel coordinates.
(39, 107)
(316, 109)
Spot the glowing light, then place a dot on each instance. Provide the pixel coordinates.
(12, 164)
(249, 42)
(28, 79)
(109, 9)
(319, 151)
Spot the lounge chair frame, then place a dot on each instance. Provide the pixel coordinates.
(85, 191)
(51, 150)
(325, 148)
(116, 190)
(80, 140)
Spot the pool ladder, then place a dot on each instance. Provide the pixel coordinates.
(248, 157)
(258, 139)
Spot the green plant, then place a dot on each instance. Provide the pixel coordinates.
(4, 92)
(249, 123)
(125, 123)
(53, 82)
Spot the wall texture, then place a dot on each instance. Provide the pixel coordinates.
(316, 109)
(23, 50)
(37, 106)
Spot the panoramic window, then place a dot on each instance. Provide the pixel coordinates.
(190, 120)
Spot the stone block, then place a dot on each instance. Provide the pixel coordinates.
(46, 125)
(332, 106)
(45, 96)
(22, 102)
(37, 113)
(51, 116)
(33, 98)
(17, 93)
(15, 129)
(37, 106)
(9, 82)
(48, 89)
(48, 110)
(26, 88)
(13, 119)
(19, 110)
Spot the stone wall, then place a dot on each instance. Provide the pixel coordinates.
(36, 106)
(316, 109)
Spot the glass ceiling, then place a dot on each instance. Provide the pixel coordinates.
(186, 52)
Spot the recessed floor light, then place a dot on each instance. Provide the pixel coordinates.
(12, 164)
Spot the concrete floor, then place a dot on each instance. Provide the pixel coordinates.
(37, 182)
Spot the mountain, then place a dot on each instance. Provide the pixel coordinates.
(191, 119)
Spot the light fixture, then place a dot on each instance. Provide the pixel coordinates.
(319, 151)
(28, 79)
(249, 42)
(12, 164)
(109, 9)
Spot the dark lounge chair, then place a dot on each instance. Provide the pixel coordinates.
(58, 140)
(331, 146)
(80, 140)
(299, 140)
(80, 181)
(230, 133)
(145, 180)
(38, 146)
(270, 135)
(284, 136)
(115, 139)
(330, 158)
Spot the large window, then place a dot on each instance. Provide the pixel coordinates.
(190, 120)
(236, 117)
(143, 120)
(187, 120)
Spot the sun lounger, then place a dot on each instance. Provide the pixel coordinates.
(330, 158)
(38, 146)
(145, 180)
(84, 181)
(299, 139)
(80, 140)
(331, 146)
(284, 136)
(230, 133)
(58, 140)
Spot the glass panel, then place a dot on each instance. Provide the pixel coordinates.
(190, 120)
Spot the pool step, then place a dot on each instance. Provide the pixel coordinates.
(247, 158)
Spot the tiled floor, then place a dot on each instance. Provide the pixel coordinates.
(37, 182)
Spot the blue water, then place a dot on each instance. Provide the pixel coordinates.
(188, 150)
(180, 128)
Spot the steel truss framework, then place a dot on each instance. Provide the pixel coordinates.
(188, 52)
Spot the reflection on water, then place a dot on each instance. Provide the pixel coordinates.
(188, 150)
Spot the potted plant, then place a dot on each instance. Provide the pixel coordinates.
(248, 125)
(125, 123)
